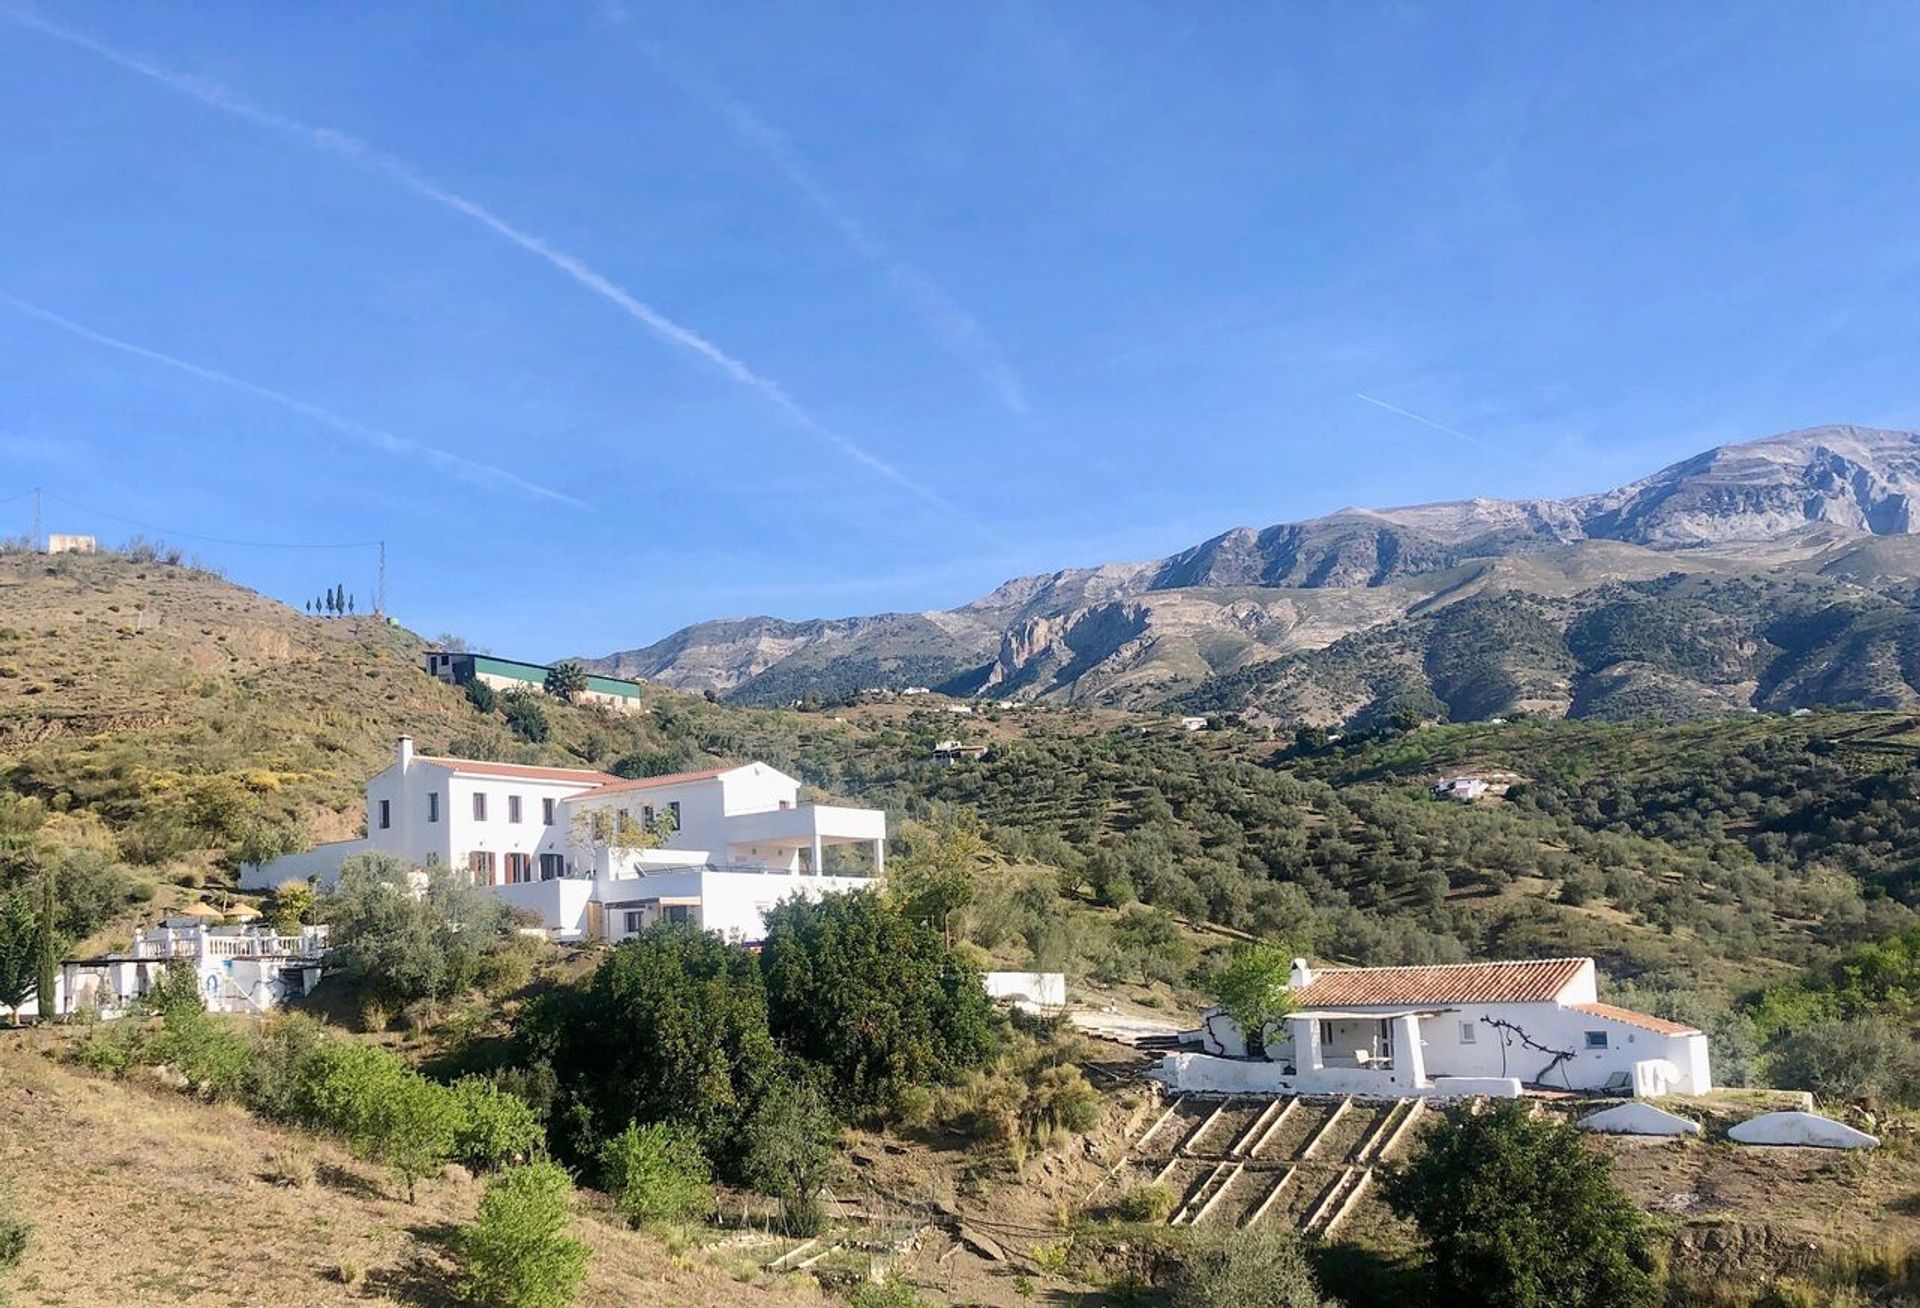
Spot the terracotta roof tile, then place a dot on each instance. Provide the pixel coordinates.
(616, 785)
(1631, 1018)
(1446, 983)
(484, 768)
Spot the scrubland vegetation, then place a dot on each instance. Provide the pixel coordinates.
(1753, 875)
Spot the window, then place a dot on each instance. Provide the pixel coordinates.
(678, 913)
(1596, 1039)
(386, 814)
(674, 809)
(513, 808)
(552, 866)
(546, 811)
(519, 868)
(1326, 1032)
(1467, 1033)
(646, 816)
(433, 806)
(480, 867)
(479, 806)
(636, 921)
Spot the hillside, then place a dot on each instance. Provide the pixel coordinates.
(1831, 502)
(136, 1195)
(1700, 863)
(174, 722)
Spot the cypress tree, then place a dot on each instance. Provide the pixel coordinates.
(49, 981)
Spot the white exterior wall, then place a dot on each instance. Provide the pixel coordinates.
(710, 809)
(562, 904)
(1447, 1053)
(734, 904)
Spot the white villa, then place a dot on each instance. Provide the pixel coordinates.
(1450, 1029)
(540, 837)
(240, 968)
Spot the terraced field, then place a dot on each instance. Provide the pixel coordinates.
(1245, 1161)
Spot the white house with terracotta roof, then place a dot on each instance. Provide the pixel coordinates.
(739, 841)
(1448, 1029)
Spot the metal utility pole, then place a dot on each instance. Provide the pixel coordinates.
(34, 542)
(380, 591)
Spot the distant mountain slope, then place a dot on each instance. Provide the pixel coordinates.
(1837, 499)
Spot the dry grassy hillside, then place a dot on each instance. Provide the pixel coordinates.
(142, 1196)
(121, 679)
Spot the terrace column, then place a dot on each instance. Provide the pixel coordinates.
(819, 855)
(880, 857)
(1409, 1063)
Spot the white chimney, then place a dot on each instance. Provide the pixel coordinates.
(1300, 975)
(403, 752)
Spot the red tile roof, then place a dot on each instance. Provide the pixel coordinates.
(616, 785)
(483, 768)
(1631, 1018)
(1446, 983)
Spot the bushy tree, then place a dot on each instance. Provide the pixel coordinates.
(496, 1127)
(1851, 1058)
(292, 907)
(672, 1027)
(792, 1148)
(1519, 1212)
(933, 880)
(526, 717)
(1252, 989)
(383, 1109)
(876, 999)
(19, 951)
(517, 1253)
(482, 696)
(566, 681)
(1261, 1268)
(657, 1174)
(399, 943)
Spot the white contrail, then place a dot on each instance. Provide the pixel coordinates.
(945, 320)
(485, 474)
(1437, 426)
(350, 148)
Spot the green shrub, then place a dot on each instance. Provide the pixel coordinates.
(890, 1293)
(281, 1049)
(114, 1048)
(380, 1106)
(214, 1057)
(793, 1149)
(658, 1174)
(1261, 1268)
(495, 1128)
(15, 1234)
(1851, 1058)
(1519, 1212)
(517, 1253)
(482, 696)
(1145, 1203)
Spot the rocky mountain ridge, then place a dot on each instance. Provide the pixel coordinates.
(1140, 634)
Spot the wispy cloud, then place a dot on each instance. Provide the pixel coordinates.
(482, 474)
(1428, 422)
(943, 318)
(355, 151)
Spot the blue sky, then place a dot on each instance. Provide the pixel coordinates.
(611, 317)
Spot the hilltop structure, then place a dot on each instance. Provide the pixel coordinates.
(459, 668)
(1447, 1029)
(601, 856)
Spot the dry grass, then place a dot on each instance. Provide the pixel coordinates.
(144, 1197)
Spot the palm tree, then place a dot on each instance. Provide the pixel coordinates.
(566, 680)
